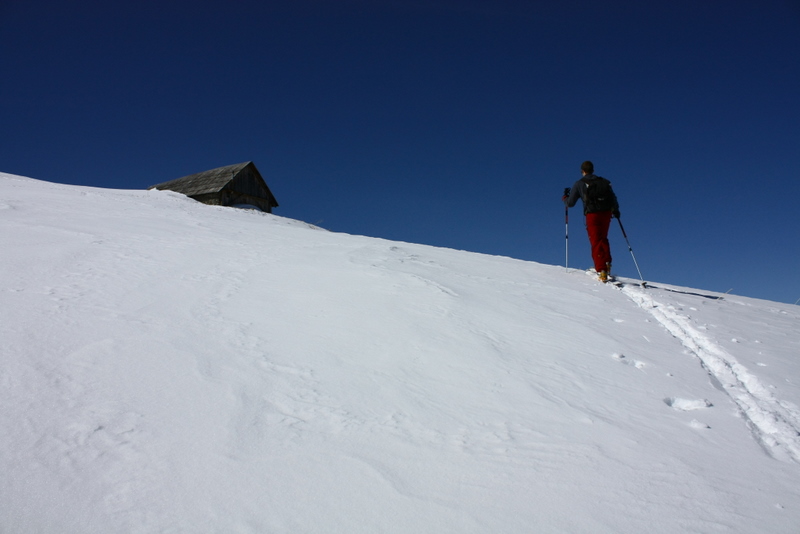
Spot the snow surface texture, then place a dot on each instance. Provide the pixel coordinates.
(174, 367)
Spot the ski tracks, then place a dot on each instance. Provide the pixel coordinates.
(774, 424)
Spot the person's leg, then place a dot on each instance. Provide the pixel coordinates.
(597, 225)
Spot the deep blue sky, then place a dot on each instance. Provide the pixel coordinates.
(445, 122)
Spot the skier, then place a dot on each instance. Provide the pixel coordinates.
(599, 205)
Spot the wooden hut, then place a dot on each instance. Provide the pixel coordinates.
(234, 185)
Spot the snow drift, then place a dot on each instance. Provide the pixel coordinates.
(174, 367)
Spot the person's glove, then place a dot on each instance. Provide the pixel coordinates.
(616, 213)
(566, 194)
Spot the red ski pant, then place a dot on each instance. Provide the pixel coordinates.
(597, 226)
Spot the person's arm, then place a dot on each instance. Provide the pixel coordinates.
(615, 211)
(574, 194)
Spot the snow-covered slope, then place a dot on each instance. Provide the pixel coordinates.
(168, 366)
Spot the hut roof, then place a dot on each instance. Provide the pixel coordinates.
(204, 182)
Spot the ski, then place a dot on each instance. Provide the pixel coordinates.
(611, 281)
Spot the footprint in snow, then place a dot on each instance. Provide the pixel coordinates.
(698, 425)
(622, 359)
(685, 405)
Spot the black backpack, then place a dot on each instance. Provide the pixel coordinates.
(599, 195)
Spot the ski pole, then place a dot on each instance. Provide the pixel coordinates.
(566, 221)
(644, 284)
(566, 241)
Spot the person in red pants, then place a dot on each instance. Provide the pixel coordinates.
(599, 205)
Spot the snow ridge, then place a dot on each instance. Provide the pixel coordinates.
(774, 424)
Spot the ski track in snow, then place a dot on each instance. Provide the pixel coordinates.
(774, 424)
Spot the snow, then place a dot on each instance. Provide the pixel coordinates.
(174, 367)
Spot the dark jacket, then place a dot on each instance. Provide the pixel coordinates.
(581, 189)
